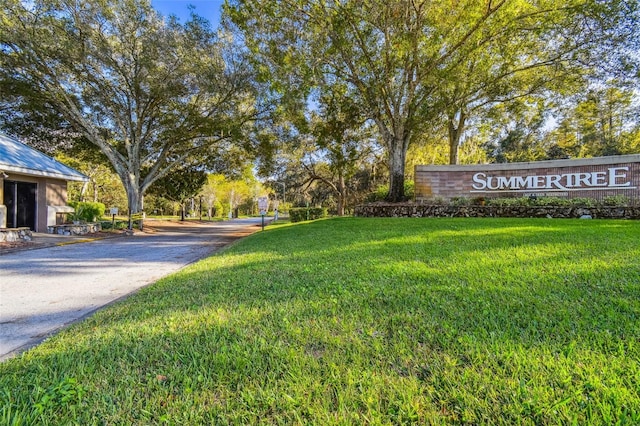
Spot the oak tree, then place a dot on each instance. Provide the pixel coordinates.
(148, 92)
(399, 59)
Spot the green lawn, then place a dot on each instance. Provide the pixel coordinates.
(362, 321)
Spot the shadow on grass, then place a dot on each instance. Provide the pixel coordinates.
(332, 322)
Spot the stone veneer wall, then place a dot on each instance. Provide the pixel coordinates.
(424, 210)
(15, 234)
(75, 229)
(447, 182)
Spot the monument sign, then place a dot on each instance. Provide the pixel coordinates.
(588, 177)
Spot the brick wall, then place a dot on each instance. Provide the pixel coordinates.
(590, 177)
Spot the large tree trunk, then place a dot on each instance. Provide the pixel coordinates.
(456, 127)
(397, 156)
(134, 199)
(396, 139)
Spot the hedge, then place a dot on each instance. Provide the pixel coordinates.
(298, 214)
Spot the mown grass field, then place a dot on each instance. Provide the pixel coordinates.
(362, 321)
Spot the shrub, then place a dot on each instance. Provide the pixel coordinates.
(437, 201)
(615, 200)
(550, 201)
(118, 224)
(460, 201)
(380, 194)
(87, 211)
(584, 202)
(299, 214)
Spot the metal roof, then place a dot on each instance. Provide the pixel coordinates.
(17, 157)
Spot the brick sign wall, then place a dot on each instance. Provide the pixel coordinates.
(590, 177)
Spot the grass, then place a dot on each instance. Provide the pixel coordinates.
(361, 321)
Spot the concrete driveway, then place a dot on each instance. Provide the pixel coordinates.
(44, 290)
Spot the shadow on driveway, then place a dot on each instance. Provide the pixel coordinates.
(44, 290)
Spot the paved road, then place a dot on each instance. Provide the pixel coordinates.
(43, 290)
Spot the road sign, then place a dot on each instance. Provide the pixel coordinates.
(263, 204)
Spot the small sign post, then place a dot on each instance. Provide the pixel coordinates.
(114, 212)
(263, 205)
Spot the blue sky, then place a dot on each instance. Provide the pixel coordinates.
(209, 9)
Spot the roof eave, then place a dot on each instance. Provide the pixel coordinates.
(31, 172)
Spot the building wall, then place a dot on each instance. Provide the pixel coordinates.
(590, 177)
(3, 208)
(56, 195)
(50, 192)
(56, 192)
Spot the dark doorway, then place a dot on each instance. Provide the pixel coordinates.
(20, 199)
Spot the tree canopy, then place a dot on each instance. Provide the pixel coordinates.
(410, 63)
(149, 92)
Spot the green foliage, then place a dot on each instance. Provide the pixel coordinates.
(520, 201)
(217, 209)
(118, 224)
(384, 55)
(299, 214)
(64, 396)
(382, 192)
(460, 201)
(352, 321)
(616, 200)
(584, 202)
(104, 185)
(179, 185)
(150, 93)
(559, 201)
(224, 194)
(86, 211)
(379, 194)
(550, 201)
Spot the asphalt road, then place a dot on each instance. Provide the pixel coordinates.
(44, 290)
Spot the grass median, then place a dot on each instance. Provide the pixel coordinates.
(361, 321)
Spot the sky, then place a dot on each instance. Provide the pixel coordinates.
(209, 9)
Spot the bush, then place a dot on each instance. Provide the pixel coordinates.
(551, 201)
(118, 224)
(460, 201)
(380, 194)
(584, 202)
(611, 201)
(299, 214)
(615, 200)
(87, 211)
